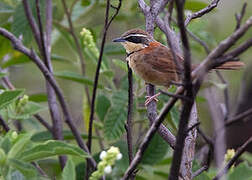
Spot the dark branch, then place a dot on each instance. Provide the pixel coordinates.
(238, 153)
(130, 114)
(96, 79)
(238, 117)
(240, 16)
(187, 105)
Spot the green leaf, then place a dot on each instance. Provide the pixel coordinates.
(69, 170)
(19, 146)
(75, 77)
(242, 172)
(116, 116)
(6, 142)
(39, 97)
(28, 110)
(195, 5)
(114, 123)
(102, 106)
(46, 135)
(8, 97)
(156, 150)
(52, 148)
(85, 2)
(25, 168)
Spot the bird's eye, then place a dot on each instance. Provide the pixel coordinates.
(134, 39)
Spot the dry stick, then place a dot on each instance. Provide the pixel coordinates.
(46, 54)
(201, 12)
(37, 116)
(197, 73)
(106, 26)
(238, 117)
(150, 90)
(17, 44)
(187, 105)
(4, 125)
(128, 126)
(78, 46)
(239, 16)
(238, 153)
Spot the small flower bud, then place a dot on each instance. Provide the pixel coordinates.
(14, 135)
(103, 155)
(119, 156)
(108, 169)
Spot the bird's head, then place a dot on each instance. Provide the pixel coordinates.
(134, 40)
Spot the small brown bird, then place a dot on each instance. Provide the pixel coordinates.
(153, 61)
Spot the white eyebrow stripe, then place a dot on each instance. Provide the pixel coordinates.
(138, 35)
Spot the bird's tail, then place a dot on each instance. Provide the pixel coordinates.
(231, 65)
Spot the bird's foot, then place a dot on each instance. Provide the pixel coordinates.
(151, 98)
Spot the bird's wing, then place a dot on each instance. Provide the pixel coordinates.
(162, 60)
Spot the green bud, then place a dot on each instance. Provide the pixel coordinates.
(14, 135)
(89, 43)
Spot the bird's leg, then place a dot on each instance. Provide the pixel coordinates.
(151, 98)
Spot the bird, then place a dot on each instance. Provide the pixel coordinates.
(153, 61)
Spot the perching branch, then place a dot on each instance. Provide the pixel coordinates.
(150, 89)
(238, 153)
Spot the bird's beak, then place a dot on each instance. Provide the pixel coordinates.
(119, 40)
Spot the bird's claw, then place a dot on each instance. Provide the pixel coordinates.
(151, 98)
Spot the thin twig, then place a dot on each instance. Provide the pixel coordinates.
(129, 116)
(238, 117)
(202, 12)
(238, 153)
(78, 46)
(240, 16)
(96, 79)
